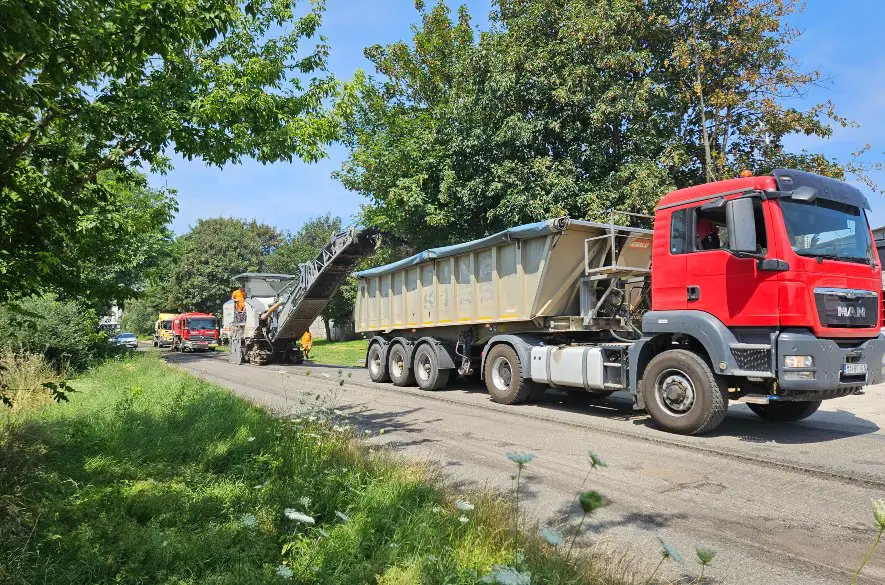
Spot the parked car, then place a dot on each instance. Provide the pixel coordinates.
(126, 340)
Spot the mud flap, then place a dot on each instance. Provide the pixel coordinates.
(236, 346)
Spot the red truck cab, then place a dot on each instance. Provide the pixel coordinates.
(194, 331)
(777, 280)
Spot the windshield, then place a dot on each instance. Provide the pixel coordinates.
(827, 229)
(166, 325)
(201, 323)
(126, 336)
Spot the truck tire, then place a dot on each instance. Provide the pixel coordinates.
(785, 411)
(378, 371)
(427, 372)
(503, 377)
(398, 366)
(682, 394)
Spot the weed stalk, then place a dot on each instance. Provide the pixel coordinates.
(868, 557)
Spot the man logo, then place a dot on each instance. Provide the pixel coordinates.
(852, 312)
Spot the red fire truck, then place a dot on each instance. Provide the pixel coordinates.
(194, 331)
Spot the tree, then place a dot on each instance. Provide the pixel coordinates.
(120, 242)
(88, 86)
(139, 316)
(575, 107)
(211, 254)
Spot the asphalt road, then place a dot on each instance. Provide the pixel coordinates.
(783, 504)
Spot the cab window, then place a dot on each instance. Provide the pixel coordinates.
(709, 230)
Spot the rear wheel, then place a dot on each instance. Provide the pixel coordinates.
(377, 368)
(504, 379)
(785, 411)
(427, 372)
(398, 366)
(682, 394)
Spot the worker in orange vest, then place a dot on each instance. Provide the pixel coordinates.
(239, 296)
(306, 343)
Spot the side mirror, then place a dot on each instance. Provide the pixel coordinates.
(741, 223)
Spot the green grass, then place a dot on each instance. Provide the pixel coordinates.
(147, 474)
(339, 353)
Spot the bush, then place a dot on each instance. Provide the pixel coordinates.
(65, 333)
(22, 377)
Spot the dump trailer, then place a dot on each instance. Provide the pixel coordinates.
(764, 290)
(281, 307)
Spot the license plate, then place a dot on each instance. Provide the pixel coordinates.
(854, 369)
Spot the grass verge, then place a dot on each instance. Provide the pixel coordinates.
(150, 475)
(339, 353)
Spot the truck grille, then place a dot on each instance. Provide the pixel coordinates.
(847, 307)
(200, 338)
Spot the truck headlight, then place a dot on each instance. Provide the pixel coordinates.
(798, 361)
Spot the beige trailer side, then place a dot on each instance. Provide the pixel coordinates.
(523, 279)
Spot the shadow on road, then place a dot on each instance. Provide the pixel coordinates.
(740, 422)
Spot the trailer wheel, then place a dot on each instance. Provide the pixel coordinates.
(682, 394)
(786, 411)
(427, 372)
(503, 377)
(377, 368)
(398, 366)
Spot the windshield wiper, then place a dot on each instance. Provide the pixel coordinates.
(855, 259)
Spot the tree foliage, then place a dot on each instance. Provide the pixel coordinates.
(88, 86)
(574, 107)
(210, 255)
(139, 316)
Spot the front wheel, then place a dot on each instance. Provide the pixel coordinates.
(682, 394)
(785, 411)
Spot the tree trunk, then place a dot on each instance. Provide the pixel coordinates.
(328, 330)
(697, 68)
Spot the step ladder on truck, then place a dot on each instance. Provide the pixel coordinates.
(281, 307)
(763, 290)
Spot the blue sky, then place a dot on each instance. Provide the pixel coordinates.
(842, 39)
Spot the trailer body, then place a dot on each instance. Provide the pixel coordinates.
(764, 290)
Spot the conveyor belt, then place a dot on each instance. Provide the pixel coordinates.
(308, 296)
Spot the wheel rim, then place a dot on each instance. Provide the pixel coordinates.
(502, 374)
(375, 362)
(424, 367)
(675, 392)
(397, 363)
